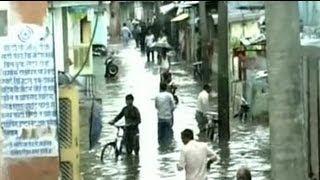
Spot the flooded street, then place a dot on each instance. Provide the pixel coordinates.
(249, 143)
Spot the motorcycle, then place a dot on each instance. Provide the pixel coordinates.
(111, 69)
(99, 50)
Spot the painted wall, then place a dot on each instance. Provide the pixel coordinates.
(32, 168)
(309, 12)
(138, 10)
(101, 36)
(56, 19)
(74, 41)
(239, 30)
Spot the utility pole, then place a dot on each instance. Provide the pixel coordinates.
(204, 42)
(114, 27)
(288, 151)
(157, 7)
(223, 73)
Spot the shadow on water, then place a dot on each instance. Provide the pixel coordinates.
(249, 143)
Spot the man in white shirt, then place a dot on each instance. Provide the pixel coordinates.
(194, 157)
(126, 35)
(150, 42)
(203, 108)
(165, 105)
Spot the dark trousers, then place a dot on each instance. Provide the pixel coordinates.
(137, 42)
(131, 139)
(165, 133)
(142, 44)
(150, 51)
(202, 121)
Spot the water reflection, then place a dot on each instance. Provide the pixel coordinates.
(132, 169)
(224, 163)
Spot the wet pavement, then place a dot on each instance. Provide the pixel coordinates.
(249, 143)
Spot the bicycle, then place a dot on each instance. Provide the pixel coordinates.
(112, 150)
(212, 125)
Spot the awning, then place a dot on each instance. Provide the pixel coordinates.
(186, 4)
(180, 17)
(167, 8)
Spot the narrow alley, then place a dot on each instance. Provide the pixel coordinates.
(249, 144)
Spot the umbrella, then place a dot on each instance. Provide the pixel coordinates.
(163, 46)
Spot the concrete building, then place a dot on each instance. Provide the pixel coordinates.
(73, 27)
(14, 13)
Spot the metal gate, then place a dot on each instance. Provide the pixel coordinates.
(69, 133)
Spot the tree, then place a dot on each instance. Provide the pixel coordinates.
(288, 153)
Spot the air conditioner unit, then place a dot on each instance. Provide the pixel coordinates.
(69, 127)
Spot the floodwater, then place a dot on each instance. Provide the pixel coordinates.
(249, 143)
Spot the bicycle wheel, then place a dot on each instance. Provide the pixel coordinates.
(109, 152)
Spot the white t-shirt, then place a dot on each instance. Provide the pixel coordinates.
(193, 159)
(165, 105)
(203, 102)
(126, 33)
(149, 40)
(165, 65)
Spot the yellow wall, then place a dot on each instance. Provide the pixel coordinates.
(239, 30)
(86, 33)
(74, 42)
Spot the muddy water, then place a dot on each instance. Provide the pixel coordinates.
(249, 143)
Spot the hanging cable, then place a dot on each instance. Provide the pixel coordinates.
(90, 45)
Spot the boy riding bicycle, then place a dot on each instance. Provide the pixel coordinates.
(132, 121)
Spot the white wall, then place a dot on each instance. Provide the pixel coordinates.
(138, 10)
(13, 18)
(58, 37)
(101, 36)
(74, 39)
(248, 29)
(70, 37)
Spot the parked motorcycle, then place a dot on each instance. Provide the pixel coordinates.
(99, 50)
(111, 69)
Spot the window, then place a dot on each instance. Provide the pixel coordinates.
(3, 22)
